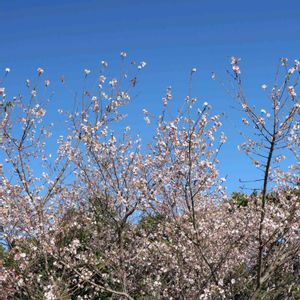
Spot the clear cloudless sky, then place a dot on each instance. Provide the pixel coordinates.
(172, 36)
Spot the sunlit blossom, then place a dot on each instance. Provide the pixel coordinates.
(113, 82)
(123, 54)
(86, 72)
(142, 65)
(102, 78)
(104, 63)
(235, 67)
(292, 91)
(40, 71)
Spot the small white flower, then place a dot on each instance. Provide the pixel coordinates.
(27, 82)
(2, 91)
(205, 104)
(263, 111)
(147, 120)
(213, 76)
(142, 65)
(194, 70)
(291, 91)
(291, 70)
(244, 106)
(123, 54)
(104, 63)
(47, 83)
(245, 121)
(33, 93)
(113, 82)
(264, 86)
(86, 72)
(261, 120)
(7, 70)
(234, 60)
(236, 69)
(223, 138)
(283, 60)
(279, 158)
(102, 78)
(165, 101)
(40, 71)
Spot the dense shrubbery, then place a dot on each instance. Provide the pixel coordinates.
(106, 219)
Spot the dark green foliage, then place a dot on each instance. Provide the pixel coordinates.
(240, 199)
(150, 223)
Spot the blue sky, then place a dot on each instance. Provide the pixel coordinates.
(64, 37)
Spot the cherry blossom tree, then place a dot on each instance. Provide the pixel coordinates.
(106, 217)
(276, 133)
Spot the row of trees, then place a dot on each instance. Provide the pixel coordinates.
(108, 219)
